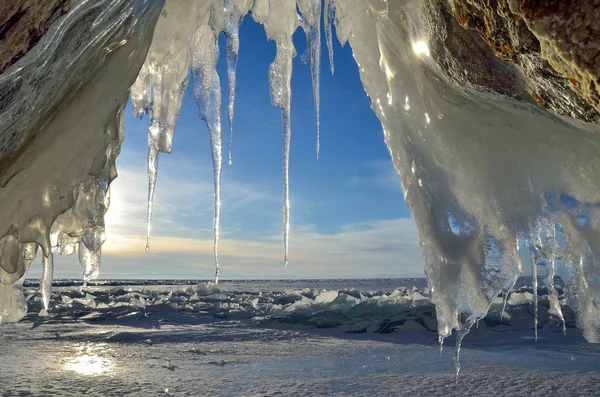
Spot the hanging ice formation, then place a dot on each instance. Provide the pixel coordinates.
(64, 103)
(187, 38)
(483, 168)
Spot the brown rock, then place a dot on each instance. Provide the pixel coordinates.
(23, 23)
(553, 43)
(569, 34)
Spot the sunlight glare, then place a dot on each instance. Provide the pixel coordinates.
(115, 209)
(421, 48)
(87, 362)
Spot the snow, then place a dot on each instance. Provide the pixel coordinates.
(143, 350)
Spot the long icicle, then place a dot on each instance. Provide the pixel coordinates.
(153, 143)
(552, 249)
(280, 78)
(311, 18)
(287, 136)
(535, 293)
(207, 92)
(46, 281)
(231, 27)
(328, 21)
(161, 85)
(504, 301)
(553, 295)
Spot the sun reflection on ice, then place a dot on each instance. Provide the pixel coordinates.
(88, 361)
(421, 48)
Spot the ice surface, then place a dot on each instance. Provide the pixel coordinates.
(347, 310)
(209, 350)
(13, 306)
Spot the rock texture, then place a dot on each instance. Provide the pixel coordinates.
(23, 23)
(466, 59)
(555, 45)
(569, 36)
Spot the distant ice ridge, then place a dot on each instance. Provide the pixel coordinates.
(348, 310)
(484, 176)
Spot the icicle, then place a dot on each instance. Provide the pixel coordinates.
(46, 281)
(328, 21)
(89, 258)
(281, 93)
(441, 341)
(552, 253)
(535, 293)
(311, 13)
(584, 287)
(162, 83)
(280, 75)
(231, 27)
(460, 334)
(153, 138)
(553, 295)
(504, 305)
(207, 92)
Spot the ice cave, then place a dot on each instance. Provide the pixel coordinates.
(489, 111)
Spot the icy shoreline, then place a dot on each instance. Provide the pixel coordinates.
(346, 310)
(168, 340)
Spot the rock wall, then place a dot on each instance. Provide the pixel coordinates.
(23, 23)
(554, 44)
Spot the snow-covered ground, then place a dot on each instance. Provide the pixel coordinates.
(202, 341)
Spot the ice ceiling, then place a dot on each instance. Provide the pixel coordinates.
(486, 172)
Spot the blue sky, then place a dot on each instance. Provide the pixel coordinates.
(347, 212)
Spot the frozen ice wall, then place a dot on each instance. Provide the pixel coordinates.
(485, 172)
(483, 175)
(61, 128)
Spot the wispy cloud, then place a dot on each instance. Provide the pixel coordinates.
(183, 200)
(182, 242)
(383, 175)
(378, 174)
(383, 248)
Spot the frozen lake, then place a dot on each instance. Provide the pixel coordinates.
(159, 349)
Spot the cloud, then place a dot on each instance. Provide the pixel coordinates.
(383, 175)
(377, 249)
(380, 174)
(182, 239)
(183, 200)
